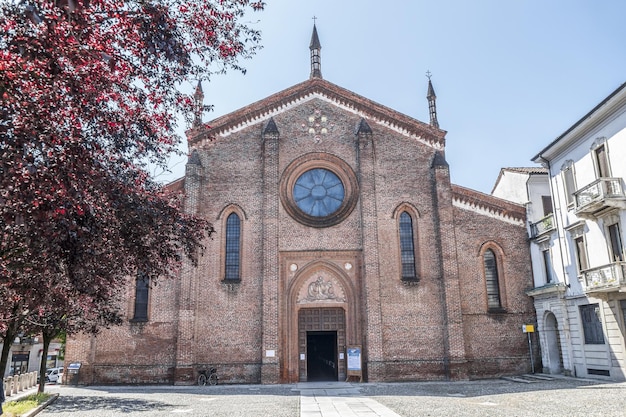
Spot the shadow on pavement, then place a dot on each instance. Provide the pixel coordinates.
(219, 390)
(80, 404)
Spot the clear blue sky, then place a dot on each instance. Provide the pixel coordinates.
(510, 76)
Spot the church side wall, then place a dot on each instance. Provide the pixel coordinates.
(495, 342)
(133, 352)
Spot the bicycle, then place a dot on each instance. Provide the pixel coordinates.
(209, 376)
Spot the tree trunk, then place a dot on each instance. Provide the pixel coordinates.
(47, 338)
(7, 341)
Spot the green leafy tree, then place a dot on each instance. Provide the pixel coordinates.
(89, 91)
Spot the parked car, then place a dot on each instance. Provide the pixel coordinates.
(54, 375)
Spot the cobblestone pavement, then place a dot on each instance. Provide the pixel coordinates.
(158, 401)
(558, 397)
(564, 397)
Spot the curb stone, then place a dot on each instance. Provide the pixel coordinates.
(36, 410)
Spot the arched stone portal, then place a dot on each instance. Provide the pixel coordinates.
(321, 321)
(554, 364)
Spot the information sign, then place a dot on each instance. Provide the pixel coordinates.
(354, 362)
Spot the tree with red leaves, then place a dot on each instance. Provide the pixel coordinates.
(89, 91)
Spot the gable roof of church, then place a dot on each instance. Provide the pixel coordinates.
(317, 87)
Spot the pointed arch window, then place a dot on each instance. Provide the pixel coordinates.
(490, 263)
(233, 248)
(407, 247)
(142, 292)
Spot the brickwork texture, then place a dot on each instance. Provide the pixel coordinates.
(434, 327)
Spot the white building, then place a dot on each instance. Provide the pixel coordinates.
(25, 355)
(530, 187)
(578, 255)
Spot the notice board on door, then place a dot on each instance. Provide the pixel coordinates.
(354, 362)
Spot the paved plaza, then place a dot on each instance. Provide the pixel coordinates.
(524, 397)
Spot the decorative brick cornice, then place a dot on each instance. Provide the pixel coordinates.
(488, 205)
(325, 90)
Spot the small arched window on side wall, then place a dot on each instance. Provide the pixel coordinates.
(492, 280)
(407, 248)
(232, 267)
(142, 292)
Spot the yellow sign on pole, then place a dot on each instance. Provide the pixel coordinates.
(528, 329)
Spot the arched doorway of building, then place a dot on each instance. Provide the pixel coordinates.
(322, 336)
(322, 308)
(553, 341)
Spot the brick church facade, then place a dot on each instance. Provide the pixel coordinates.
(341, 249)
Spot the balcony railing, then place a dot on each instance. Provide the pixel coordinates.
(606, 278)
(600, 194)
(544, 225)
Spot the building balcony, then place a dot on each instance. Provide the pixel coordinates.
(606, 278)
(603, 193)
(542, 227)
(551, 289)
